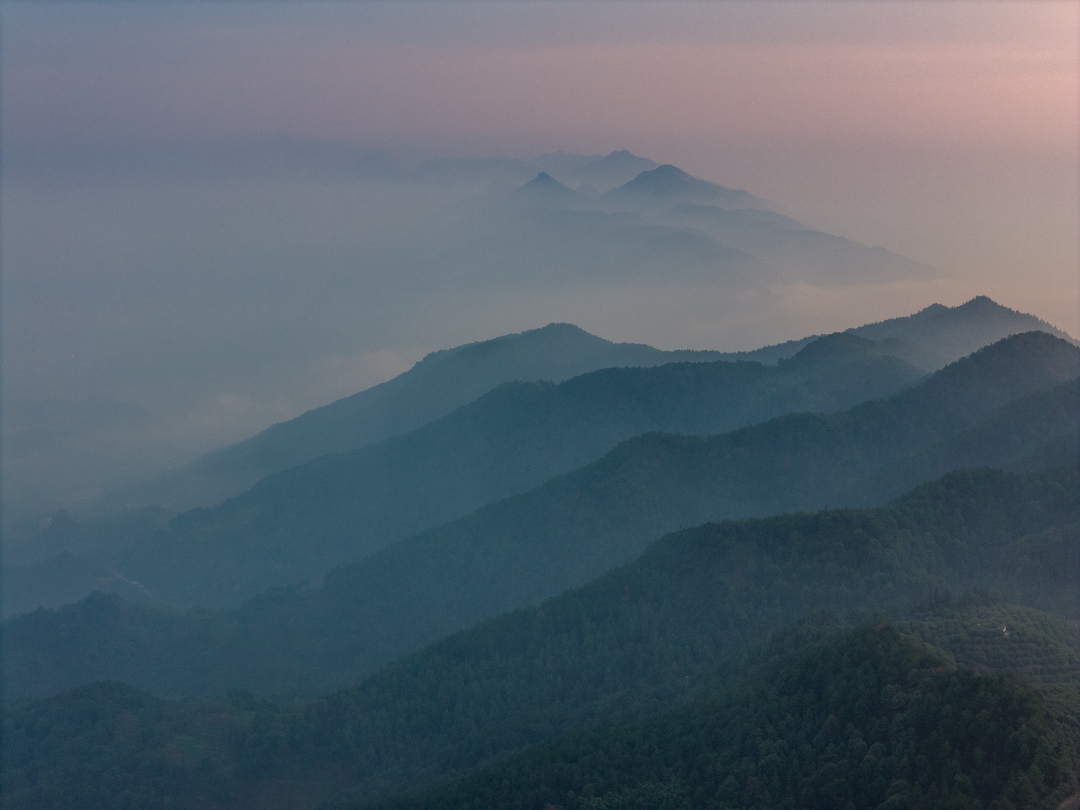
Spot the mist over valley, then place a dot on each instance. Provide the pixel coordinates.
(539, 406)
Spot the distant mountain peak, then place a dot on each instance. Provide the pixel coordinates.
(615, 169)
(669, 170)
(543, 179)
(986, 317)
(837, 344)
(544, 190)
(624, 156)
(668, 183)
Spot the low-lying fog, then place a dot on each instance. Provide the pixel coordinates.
(165, 297)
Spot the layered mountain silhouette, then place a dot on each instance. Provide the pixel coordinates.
(662, 225)
(441, 382)
(347, 506)
(551, 571)
(601, 171)
(543, 191)
(577, 526)
(448, 379)
(674, 636)
(69, 559)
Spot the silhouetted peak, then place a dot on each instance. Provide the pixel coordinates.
(668, 170)
(667, 182)
(981, 303)
(1018, 357)
(543, 179)
(560, 329)
(545, 182)
(543, 189)
(838, 345)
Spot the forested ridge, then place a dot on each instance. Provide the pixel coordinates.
(449, 378)
(508, 441)
(862, 719)
(438, 384)
(562, 534)
(511, 439)
(667, 630)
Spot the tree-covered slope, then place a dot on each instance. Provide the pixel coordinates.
(646, 634)
(340, 508)
(643, 638)
(524, 549)
(814, 715)
(864, 719)
(986, 634)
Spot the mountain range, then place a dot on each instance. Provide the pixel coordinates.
(561, 534)
(664, 223)
(671, 638)
(448, 379)
(349, 505)
(592, 637)
(552, 572)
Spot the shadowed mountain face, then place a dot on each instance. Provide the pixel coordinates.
(438, 384)
(660, 634)
(448, 379)
(577, 526)
(951, 332)
(347, 506)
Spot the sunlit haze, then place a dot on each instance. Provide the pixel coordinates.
(198, 294)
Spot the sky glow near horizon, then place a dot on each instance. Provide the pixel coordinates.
(945, 132)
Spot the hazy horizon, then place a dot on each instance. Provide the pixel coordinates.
(213, 217)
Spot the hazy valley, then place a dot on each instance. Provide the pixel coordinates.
(548, 570)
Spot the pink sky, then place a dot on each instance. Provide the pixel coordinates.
(947, 131)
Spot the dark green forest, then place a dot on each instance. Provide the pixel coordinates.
(676, 628)
(562, 534)
(863, 718)
(817, 716)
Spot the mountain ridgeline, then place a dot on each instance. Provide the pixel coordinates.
(446, 380)
(348, 506)
(654, 669)
(567, 532)
(438, 384)
(552, 572)
(487, 451)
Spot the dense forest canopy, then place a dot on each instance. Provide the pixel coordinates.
(662, 632)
